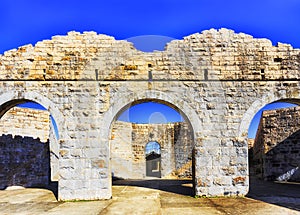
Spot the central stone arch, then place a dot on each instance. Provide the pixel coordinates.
(124, 100)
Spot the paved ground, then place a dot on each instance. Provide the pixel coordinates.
(156, 197)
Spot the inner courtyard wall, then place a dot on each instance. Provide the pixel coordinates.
(277, 145)
(128, 142)
(24, 161)
(24, 148)
(26, 122)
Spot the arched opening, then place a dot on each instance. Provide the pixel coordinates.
(153, 159)
(270, 126)
(274, 151)
(152, 138)
(29, 146)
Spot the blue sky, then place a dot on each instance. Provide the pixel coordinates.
(27, 22)
(150, 112)
(152, 146)
(30, 21)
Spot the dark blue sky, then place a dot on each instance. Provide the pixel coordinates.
(30, 21)
(150, 112)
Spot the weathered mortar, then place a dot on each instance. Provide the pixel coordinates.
(217, 79)
(277, 144)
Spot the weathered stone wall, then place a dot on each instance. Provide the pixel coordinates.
(221, 54)
(121, 151)
(183, 144)
(24, 161)
(128, 142)
(26, 122)
(277, 144)
(29, 122)
(217, 79)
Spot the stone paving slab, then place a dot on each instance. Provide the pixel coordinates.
(76, 208)
(128, 199)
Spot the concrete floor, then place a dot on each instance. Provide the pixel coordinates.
(156, 197)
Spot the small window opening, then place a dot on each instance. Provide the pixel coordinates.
(96, 73)
(44, 74)
(277, 59)
(205, 75)
(150, 75)
(262, 73)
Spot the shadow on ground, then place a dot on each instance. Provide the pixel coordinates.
(183, 187)
(151, 197)
(279, 193)
(282, 194)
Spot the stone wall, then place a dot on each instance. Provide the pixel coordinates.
(24, 161)
(34, 123)
(121, 151)
(277, 145)
(128, 142)
(213, 54)
(217, 79)
(183, 147)
(26, 122)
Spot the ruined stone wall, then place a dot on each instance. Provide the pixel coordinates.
(218, 79)
(128, 142)
(122, 151)
(217, 55)
(183, 144)
(277, 144)
(26, 122)
(24, 161)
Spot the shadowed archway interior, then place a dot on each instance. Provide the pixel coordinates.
(142, 150)
(29, 153)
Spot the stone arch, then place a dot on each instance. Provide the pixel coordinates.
(256, 106)
(11, 99)
(153, 141)
(261, 160)
(124, 100)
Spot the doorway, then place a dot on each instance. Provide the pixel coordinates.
(153, 160)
